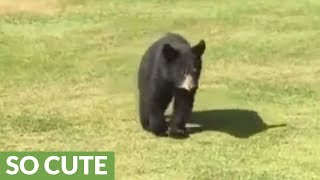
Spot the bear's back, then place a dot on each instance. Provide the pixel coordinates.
(175, 40)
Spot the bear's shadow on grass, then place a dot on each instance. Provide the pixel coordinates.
(236, 122)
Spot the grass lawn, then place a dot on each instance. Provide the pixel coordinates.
(68, 73)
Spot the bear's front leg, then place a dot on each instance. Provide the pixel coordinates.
(157, 123)
(183, 104)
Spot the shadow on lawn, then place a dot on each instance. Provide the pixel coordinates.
(236, 122)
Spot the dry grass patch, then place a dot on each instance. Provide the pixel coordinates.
(48, 7)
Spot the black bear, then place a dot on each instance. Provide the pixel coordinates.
(170, 68)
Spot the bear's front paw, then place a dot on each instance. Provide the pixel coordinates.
(160, 131)
(178, 133)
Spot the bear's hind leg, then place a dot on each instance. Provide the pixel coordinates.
(143, 114)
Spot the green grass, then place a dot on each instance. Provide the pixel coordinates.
(68, 82)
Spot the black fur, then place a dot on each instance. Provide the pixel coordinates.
(162, 69)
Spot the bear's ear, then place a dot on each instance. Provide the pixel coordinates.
(199, 48)
(169, 52)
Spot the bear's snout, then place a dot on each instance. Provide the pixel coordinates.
(188, 83)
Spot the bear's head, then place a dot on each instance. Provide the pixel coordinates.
(184, 65)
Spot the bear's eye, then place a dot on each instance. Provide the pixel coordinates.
(194, 70)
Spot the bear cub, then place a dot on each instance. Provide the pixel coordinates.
(169, 69)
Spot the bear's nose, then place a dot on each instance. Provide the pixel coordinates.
(188, 83)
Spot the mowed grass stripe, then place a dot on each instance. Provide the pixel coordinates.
(68, 82)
